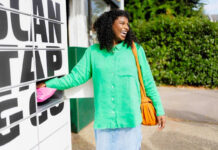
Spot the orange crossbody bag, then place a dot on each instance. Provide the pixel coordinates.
(147, 109)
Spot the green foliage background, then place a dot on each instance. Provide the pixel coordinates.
(180, 50)
(148, 9)
(179, 40)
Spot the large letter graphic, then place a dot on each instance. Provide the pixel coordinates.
(54, 26)
(27, 75)
(39, 69)
(3, 24)
(15, 20)
(5, 75)
(53, 65)
(14, 131)
(39, 28)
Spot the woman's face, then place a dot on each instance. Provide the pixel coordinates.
(120, 28)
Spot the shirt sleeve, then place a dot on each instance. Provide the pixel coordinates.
(80, 73)
(149, 83)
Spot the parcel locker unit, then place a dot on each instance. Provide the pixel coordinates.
(33, 48)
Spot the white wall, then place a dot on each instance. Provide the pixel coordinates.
(122, 4)
(78, 15)
(78, 37)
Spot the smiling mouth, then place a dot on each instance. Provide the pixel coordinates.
(123, 33)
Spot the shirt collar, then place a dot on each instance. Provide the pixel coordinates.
(119, 46)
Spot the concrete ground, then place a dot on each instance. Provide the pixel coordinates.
(192, 123)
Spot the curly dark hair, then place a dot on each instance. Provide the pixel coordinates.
(103, 27)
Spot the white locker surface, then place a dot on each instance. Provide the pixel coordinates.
(53, 119)
(35, 148)
(58, 141)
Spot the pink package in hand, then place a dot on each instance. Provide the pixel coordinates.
(44, 93)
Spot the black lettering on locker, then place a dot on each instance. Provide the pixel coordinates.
(3, 24)
(14, 4)
(39, 69)
(32, 109)
(14, 131)
(5, 75)
(38, 8)
(27, 74)
(15, 20)
(39, 28)
(53, 65)
(8, 104)
(51, 11)
(5, 93)
(43, 117)
(54, 26)
(23, 88)
(57, 109)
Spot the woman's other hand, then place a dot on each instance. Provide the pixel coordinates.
(161, 120)
(40, 85)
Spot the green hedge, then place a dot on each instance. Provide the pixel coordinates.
(181, 51)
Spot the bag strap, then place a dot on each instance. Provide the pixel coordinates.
(142, 88)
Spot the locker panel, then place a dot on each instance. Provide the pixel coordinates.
(50, 25)
(15, 31)
(35, 148)
(22, 136)
(53, 118)
(17, 104)
(17, 67)
(50, 63)
(58, 141)
(22, 6)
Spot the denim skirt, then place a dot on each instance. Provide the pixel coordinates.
(118, 139)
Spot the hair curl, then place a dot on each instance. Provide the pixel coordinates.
(105, 34)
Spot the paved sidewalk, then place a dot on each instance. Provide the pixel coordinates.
(176, 136)
(193, 104)
(192, 123)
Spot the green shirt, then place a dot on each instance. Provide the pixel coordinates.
(116, 86)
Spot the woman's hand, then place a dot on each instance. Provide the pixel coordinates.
(161, 120)
(40, 85)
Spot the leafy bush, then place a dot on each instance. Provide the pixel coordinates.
(148, 9)
(181, 51)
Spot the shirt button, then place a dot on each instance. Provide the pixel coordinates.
(112, 99)
(113, 112)
(112, 86)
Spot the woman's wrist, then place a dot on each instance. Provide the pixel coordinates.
(40, 85)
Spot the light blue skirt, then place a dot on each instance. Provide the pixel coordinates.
(118, 139)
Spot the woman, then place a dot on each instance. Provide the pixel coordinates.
(112, 66)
